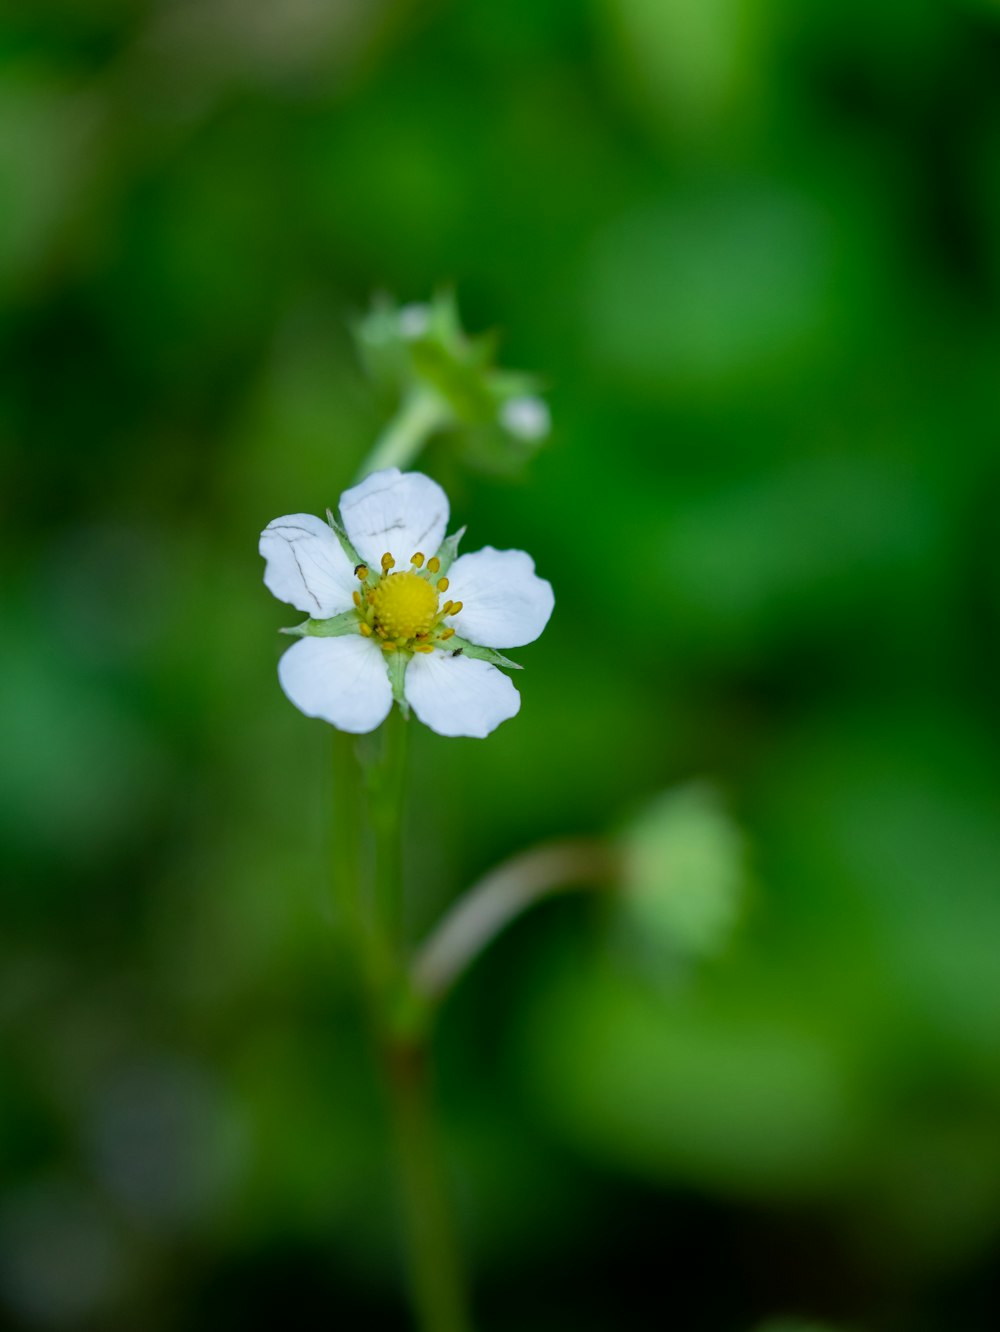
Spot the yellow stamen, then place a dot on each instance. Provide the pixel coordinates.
(404, 605)
(401, 611)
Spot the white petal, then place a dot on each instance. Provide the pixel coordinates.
(395, 512)
(340, 680)
(459, 696)
(306, 565)
(504, 602)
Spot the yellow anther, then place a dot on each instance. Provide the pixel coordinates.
(456, 606)
(446, 608)
(447, 633)
(388, 647)
(418, 559)
(442, 585)
(361, 571)
(356, 597)
(387, 562)
(422, 647)
(366, 629)
(433, 564)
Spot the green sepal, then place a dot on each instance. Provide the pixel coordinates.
(461, 383)
(508, 384)
(345, 541)
(456, 365)
(447, 551)
(336, 627)
(396, 664)
(478, 653)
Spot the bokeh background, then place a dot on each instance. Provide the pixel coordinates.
(753, 246)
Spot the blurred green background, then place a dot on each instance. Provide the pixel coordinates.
(754, 248)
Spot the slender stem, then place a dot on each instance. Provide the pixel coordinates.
(420, 413)
(437, 1292)
(435, 1277)
(505, 892)
(387, 802)
(345, 820)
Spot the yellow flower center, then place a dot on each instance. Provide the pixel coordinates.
(405, 605)
(400, 611)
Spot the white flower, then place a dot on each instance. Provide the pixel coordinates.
(380, 626)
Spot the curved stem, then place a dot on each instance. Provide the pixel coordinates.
(420, 414)
(504, 893)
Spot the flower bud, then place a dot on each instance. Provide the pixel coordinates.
(494, 417)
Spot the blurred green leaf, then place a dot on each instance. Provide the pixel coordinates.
(682, 875)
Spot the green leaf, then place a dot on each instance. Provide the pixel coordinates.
(448, 549)
(683, 872)
(483, 654)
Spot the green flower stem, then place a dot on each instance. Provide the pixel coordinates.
(387, 788)
(420, 414)
(437, 1292)
(505, 892)
(435, 1277)
(344, 849)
